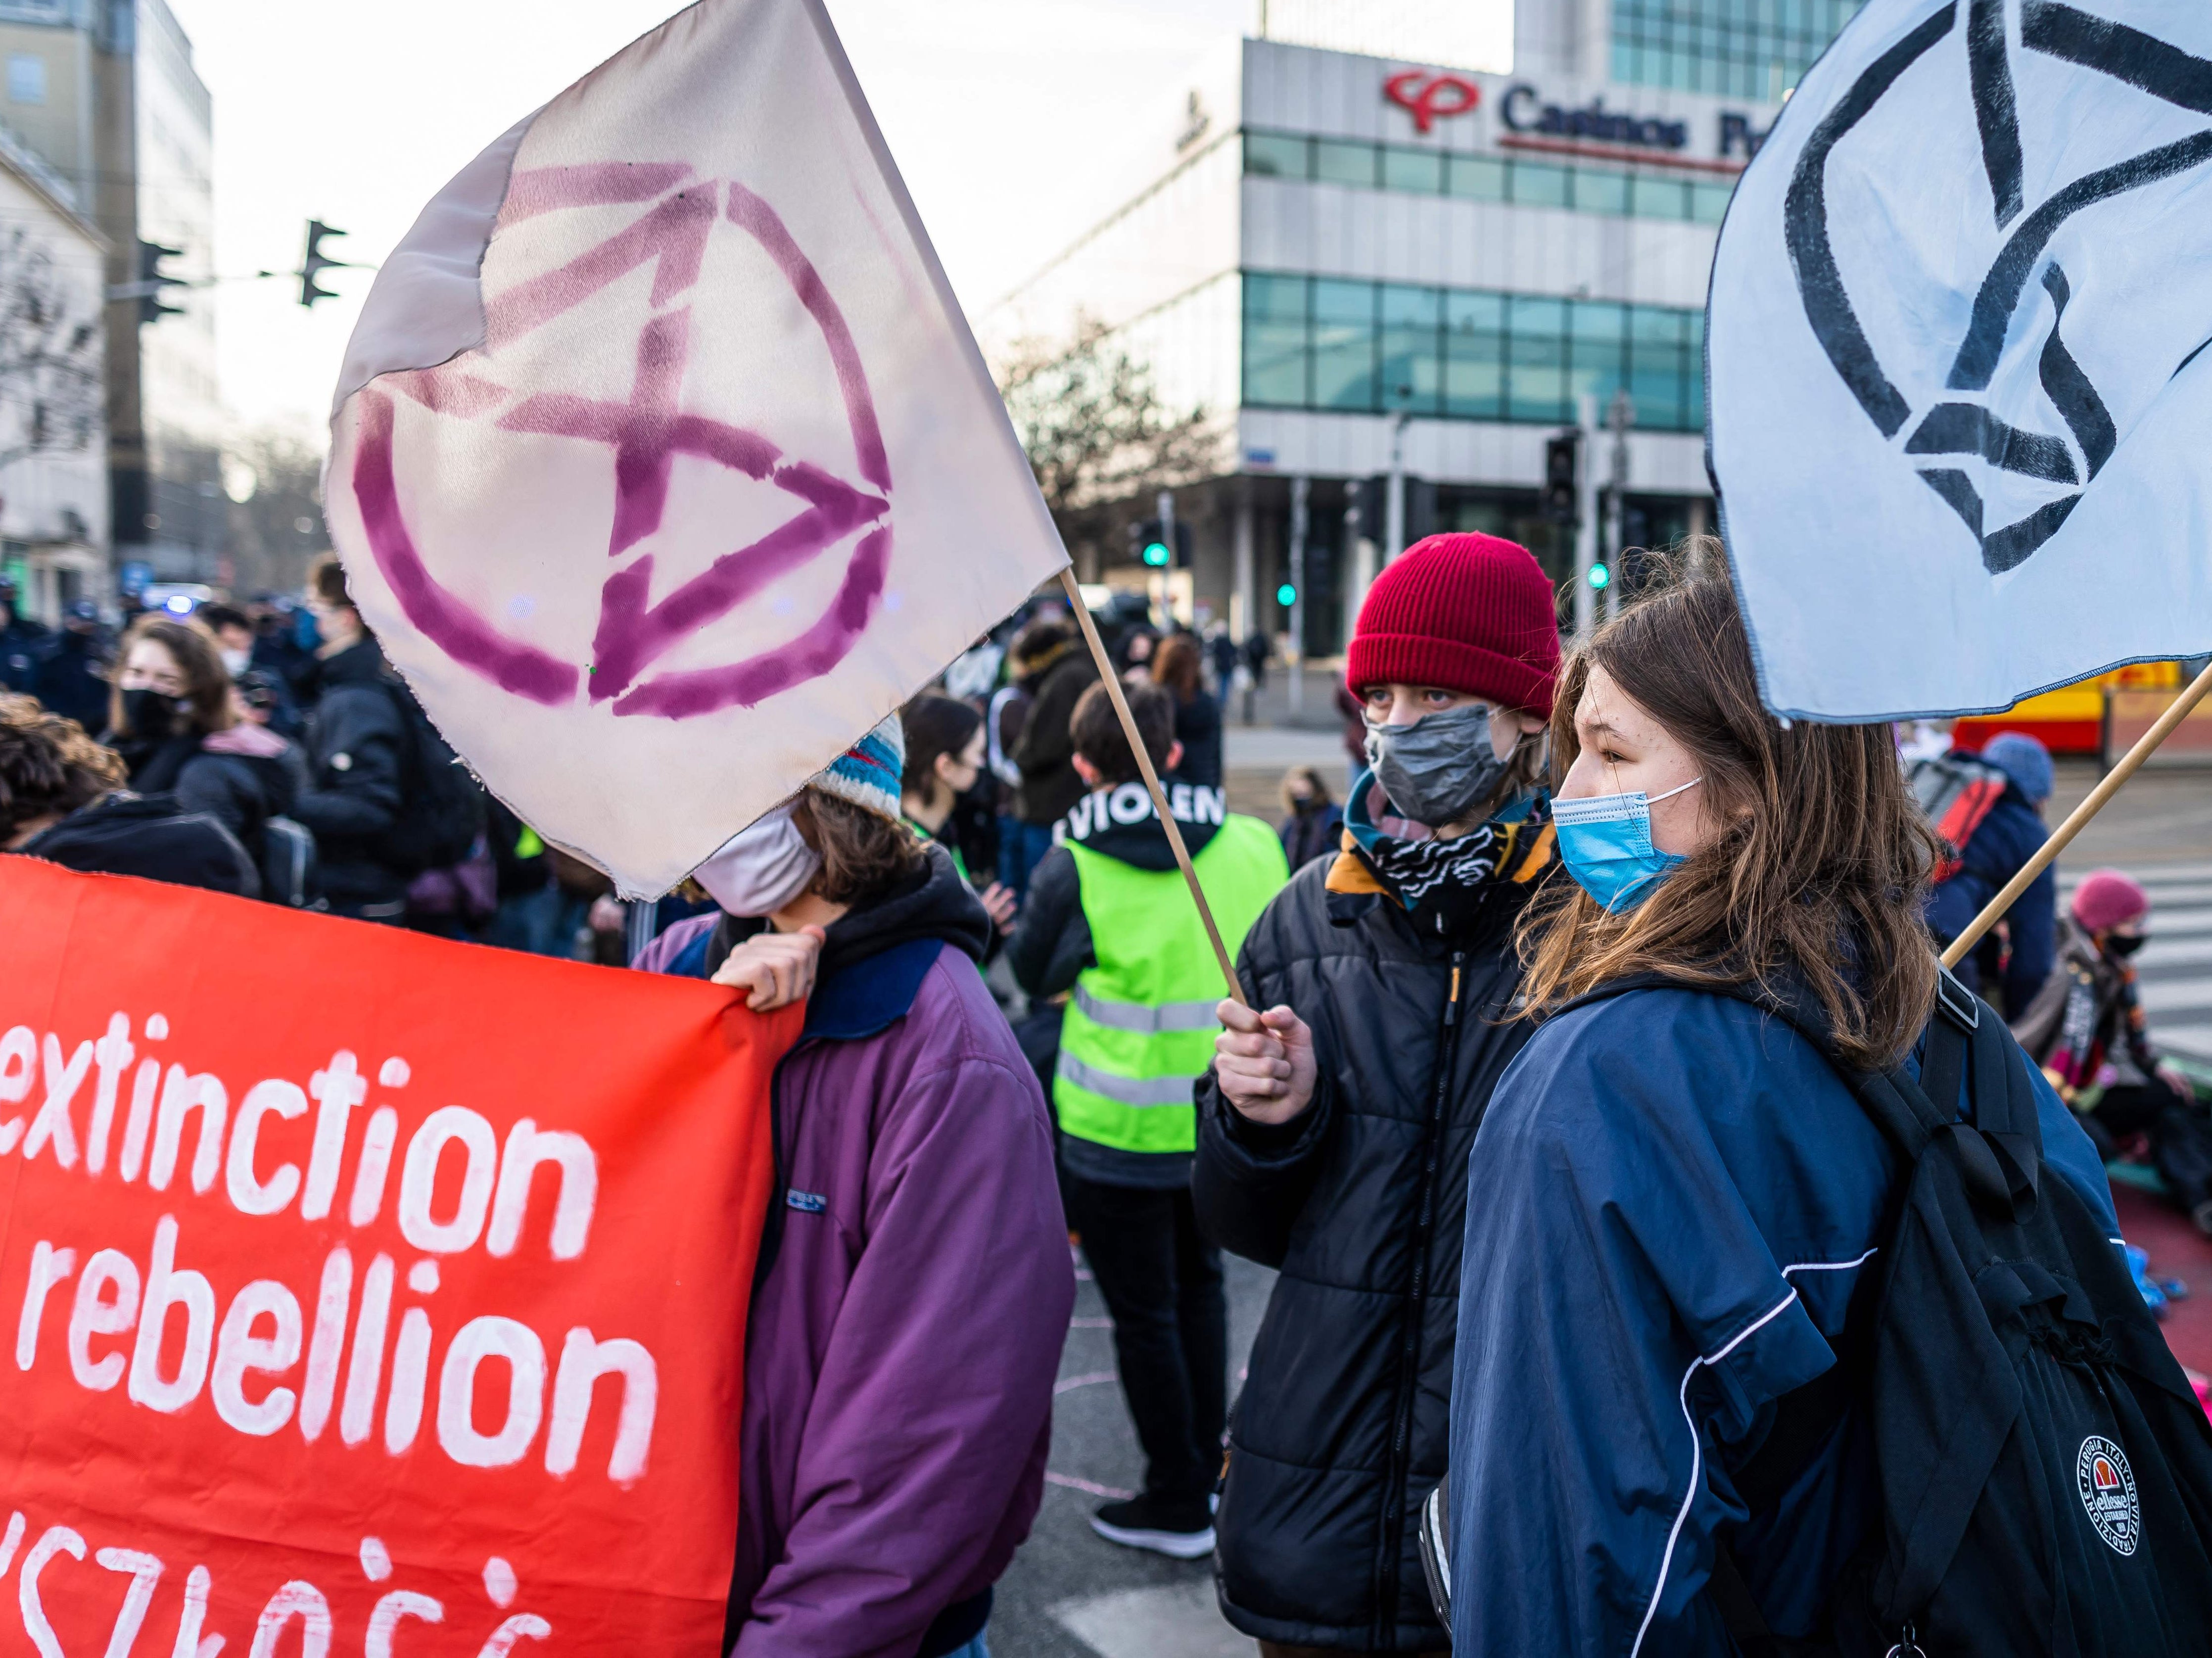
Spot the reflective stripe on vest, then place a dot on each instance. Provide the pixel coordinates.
(1140, 1027)
(1148, 1021)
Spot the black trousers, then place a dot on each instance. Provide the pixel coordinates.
(2180, 1134)
(1161, 1284)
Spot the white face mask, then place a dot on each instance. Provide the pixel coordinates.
(760, 869)
(235, 663)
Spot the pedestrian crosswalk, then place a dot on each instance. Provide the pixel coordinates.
(2174, 970)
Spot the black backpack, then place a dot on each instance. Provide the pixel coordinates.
(290, 868)
(2044, 1468)
(441, 805)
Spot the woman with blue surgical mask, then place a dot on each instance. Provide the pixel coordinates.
(1675, 1196)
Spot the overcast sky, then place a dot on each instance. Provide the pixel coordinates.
(355, 112)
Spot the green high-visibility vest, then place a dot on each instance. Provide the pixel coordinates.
(1140, 1028)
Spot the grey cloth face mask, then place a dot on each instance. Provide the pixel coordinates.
(1440, 767)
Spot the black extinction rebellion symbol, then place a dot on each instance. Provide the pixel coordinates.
(1958, 425)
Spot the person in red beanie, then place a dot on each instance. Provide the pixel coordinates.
(1335, 1129)
(2086, 1012)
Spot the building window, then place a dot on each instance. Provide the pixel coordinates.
(26, 78)
(1643, 192)
(1750, 49)
(1463, 354)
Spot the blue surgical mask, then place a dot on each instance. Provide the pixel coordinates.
(1605, 840)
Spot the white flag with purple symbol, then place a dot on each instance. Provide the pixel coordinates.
(1962, 401)
(663, 463)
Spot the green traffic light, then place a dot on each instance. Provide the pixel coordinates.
(1286, 595)
(1156, 555)
(1599, 577)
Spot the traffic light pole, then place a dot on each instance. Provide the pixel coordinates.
(1586, 524)
(1299, 524)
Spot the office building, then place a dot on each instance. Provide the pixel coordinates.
(1343, 258)
(105, 92)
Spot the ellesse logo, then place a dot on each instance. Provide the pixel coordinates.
(2108, 1492)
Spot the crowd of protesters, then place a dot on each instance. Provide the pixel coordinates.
(1501, 1097)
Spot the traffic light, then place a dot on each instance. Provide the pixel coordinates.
(314, 262)
(1148, 544)
(1562, 468)
(1286, 595)
(152, 279)
(1601, 578)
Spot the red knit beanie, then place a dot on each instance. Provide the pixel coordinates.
(1465, 613)
(2107, 899)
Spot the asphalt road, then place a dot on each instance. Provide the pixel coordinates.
(1070, 1594)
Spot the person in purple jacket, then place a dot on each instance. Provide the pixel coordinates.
(916, 1282)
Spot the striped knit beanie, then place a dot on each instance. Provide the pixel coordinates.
(868, 773)
(1469, 613)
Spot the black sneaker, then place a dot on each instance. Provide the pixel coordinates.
(1181, 1528)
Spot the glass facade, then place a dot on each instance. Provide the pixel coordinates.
(1643, 193)
(1751, 49)
(1374, 348)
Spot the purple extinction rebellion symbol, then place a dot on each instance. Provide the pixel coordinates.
(646, 432)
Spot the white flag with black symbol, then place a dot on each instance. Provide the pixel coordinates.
(662, 464)
(1961, 398)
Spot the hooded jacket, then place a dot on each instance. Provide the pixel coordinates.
(150, 837)
(1045, 750)
(1359, 1203)
(905, 1332)
(1670, 1208)
(241, 777)
(2012, 833)
(357, 746)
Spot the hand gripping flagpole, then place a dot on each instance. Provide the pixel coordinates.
(1993, 912)
(1112, 684)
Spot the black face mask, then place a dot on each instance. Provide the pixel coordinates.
(2122, 944)
(150, 714)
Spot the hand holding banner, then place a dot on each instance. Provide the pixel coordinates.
(332, 1309)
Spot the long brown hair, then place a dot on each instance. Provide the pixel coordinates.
(207, 684)
(864, 857)
(1821, 870)
(1175, 666)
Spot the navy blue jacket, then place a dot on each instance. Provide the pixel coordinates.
(1668, 1206)
(1998, 850)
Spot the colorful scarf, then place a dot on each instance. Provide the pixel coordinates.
(1440, 884)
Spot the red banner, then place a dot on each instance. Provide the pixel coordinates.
(368, 1293)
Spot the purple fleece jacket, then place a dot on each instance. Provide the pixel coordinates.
(900, 1353)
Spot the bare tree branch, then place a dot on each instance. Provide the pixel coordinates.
(52, 385)
(1098, 432)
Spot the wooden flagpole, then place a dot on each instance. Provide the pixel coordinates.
(1113, 682)
(1993, 912)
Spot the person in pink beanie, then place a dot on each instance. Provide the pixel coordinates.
(1335, 1129)
(2088, 1017)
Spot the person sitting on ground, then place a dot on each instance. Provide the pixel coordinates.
(1315, 825)
(174, 718)
(1333, 1137)
(2089, 1017)
(1675, 1196)
(1178, 668)
(906, 1326)
(356, 744)
(63, 797)
(2011, 969)
(945, 741)
(1109, 917)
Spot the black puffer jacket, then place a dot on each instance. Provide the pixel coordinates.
(1360, 1202)
(241, 792)
(356, 754)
